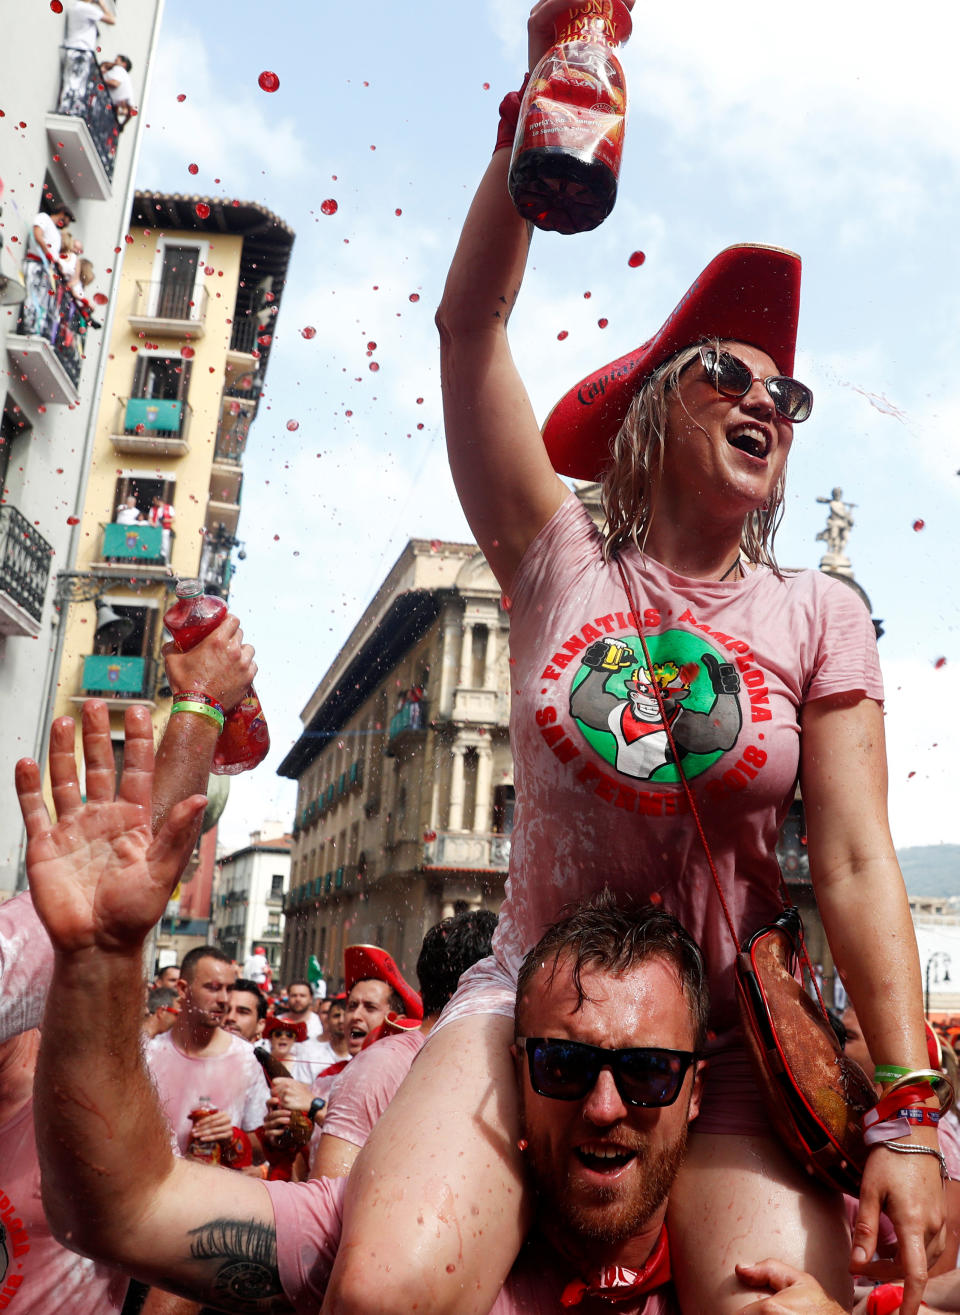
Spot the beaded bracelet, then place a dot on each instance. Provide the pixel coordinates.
(198, 696)
(202, 708)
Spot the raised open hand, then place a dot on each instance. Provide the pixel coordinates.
(98, 876)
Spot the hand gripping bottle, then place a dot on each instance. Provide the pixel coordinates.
(244, 741)
(569, 140)
(209, 1152)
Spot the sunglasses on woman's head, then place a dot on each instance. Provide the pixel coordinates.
(568, 1070)
(734, 378)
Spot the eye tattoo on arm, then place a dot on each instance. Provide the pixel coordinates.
(247, 1279)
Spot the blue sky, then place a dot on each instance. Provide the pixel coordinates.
(826, 130)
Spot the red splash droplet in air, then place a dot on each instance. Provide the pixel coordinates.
(420, 426)
(202, 209)
(348, 414)
(374, 367)
(329, 207)
(919, 524)
(187, 353)
(636, 259)
(940, 663)
(371, 346)
(486, 86)
(193, 168)
(268, 81)
(655, 897)
(910, 775)
(73, 520)
(398, 212)
(276, 538)
(129, 239)
(561, 335)
(436, 545)
(602, 322)
(208, 270)
(293, 426)
(56, 6)
(428, 836)
(419, 401)
(181, 98)
(587, 296)
(100, 298)
(414, 297)
(308, 331)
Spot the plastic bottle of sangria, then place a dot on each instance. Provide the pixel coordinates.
(208, 1152)
(569, 141)
(244, 741)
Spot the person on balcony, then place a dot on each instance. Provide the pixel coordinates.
(41, 268)
(116, 75)
(128, 513)
(161, 513)
(80, 51)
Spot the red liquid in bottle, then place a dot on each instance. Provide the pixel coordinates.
(244, 741)
(208, 1152)
(566, 154)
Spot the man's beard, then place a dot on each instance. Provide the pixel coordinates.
(613, 1215)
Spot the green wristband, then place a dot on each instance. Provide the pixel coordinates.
(202, 708)
(884, 1073)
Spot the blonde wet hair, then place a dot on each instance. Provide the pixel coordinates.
(628, 487)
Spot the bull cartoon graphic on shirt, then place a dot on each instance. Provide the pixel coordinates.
(699, 698)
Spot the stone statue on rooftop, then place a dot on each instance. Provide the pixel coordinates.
(836, 533)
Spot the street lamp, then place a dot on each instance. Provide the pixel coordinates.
(937, 969)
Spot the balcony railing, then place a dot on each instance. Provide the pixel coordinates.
(128, 678)
(154, 417)
(25, 559)
(232, 437)
(138, 545)
(243, 335)
(83, 95)
(410, 720)
(50, 318)
(247, 387)
(176, 300)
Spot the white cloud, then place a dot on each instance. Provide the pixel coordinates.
(923, 747)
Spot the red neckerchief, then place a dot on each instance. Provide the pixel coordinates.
(614, 1283)
(634, 728)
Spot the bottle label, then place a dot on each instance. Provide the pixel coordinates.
(594, 19)
(576, 101)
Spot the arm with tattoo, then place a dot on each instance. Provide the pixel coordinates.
(112, 1188)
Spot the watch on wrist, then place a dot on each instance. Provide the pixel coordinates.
(316, 1105)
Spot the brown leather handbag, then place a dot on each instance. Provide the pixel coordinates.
(815, 1096)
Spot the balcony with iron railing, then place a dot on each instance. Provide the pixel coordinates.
(223, 507)
(243, 335)
(155, 425)
(169, 307)
(25, 558)
(84, 131)
(232, 432)
(47, 348)
(122, 680)
(408, 725)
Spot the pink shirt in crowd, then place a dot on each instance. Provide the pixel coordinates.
(233, 1081)
(368, 1084)
(309, 1219)
(37, 1274)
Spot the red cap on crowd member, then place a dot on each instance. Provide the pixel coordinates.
(363, 961)
(275, 1024)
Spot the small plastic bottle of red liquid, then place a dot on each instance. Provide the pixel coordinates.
(209, 1152)
(569, 141)
(244, 741)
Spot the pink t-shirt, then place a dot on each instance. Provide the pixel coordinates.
(309, 1219)
(598, 802)
(26, 966)
(368, 1085)
(37, 1274)
(233, 1081)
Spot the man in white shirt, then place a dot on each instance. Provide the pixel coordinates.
(80, 52)
(40, 269)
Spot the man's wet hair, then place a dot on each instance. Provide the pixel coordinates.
(190, 960)
(617, 937)
(447, 952)
(251, 988)
(160, 997)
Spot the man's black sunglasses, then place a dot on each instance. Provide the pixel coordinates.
(568, 1070)
(734, 378)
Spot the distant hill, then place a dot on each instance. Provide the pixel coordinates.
(931, 869)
